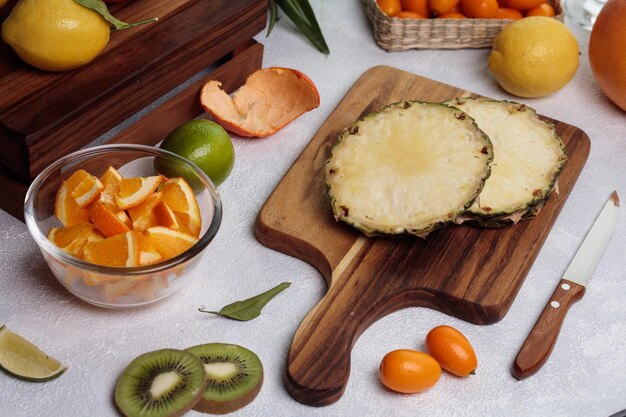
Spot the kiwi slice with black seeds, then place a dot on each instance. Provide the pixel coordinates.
(234, 377)
(163, 383)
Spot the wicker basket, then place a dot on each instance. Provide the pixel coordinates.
(393, 34)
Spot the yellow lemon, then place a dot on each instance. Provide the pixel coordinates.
(55, 35)
(534, 57)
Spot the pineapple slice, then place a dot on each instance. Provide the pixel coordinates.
(408, 168)
(528, 157)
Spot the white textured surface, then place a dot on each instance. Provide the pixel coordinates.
(585, 376)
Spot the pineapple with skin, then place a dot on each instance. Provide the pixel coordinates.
(528, 158)
(409, 168)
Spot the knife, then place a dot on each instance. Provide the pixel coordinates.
(542, 338)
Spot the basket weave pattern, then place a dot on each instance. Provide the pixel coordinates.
(393, 34)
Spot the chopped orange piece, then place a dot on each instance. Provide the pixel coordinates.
(111, 182)
(134, 191)
(73, 238)
(87, 190)
(66, 209)
(169, 243)
(142, 215)
(116, 289)
(119, 250)
(182, 201)
(107, 222)
(147, 252)
(165, 216)
(111, 177)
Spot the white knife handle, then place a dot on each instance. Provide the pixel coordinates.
(542, 338)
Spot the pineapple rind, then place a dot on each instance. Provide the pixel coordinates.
(481, 160)
(505, 216)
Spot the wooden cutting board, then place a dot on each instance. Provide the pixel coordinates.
(470, 273)
(45, 115)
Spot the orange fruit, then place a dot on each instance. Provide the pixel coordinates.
(269, 100)
(607, 54)
(452, 350)
(73, 238)
(408, 371)
(522, 5)
(544, 9)
(169, 243)
(182, 201)
(142, 215)
(441, 7)
(147, 252)
(107, 221)
(409, 15)
(66, 209)
(134, 191)
(453, 15)
(120, 250)
(390, 7)
(506, 13)
(87, 190)
(483, 9)
(165, 216)
(416, 6)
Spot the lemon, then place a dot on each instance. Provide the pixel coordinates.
(55, 35)
(206, 144)
(534, 57)
(21, 358)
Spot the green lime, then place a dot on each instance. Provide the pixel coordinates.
(21, 358)
(206, 144)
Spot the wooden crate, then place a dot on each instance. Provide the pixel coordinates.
(45, 115)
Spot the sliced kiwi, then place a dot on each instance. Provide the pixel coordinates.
(162, 383)
(234, 377)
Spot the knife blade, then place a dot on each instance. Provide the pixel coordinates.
(542, 338)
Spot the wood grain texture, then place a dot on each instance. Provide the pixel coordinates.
(539, 344)
(152, 127)
(46, 115)
(467, 272)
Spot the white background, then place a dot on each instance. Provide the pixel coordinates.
(585, 376)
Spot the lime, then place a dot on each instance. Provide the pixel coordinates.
(534, 56)
(24, 360)
(206, 144)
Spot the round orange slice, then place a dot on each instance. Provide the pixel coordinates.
(107, 221)
(169, 243)
(270, 99)
(66, 209)
(179, 197)
(134, 191)
(120, 250)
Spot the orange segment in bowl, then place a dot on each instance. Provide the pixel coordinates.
(142, 215)
(66, 209)
(134, 191)
(147, 252)
(71, 239)
(165, 216)
(179, 197)
(87, 190)
(120, 250)
(169, 243)
(107, 221)
(270, 99)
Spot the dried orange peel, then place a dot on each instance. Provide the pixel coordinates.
(269, 100)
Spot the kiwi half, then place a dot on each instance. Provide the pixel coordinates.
(163, 383)
(234, 377)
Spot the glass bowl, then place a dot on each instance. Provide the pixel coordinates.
(119, 287)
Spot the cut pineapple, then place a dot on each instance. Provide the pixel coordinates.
(407, 169)
(528, 157)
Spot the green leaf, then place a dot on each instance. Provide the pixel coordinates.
(273, 16)
(100, 7)
(248, 309)
(301, 14)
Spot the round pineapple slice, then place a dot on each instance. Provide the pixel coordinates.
(408, 168)
(528, 158)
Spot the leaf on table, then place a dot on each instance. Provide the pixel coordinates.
(302, 15)
(250, 308)
(100, 7)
